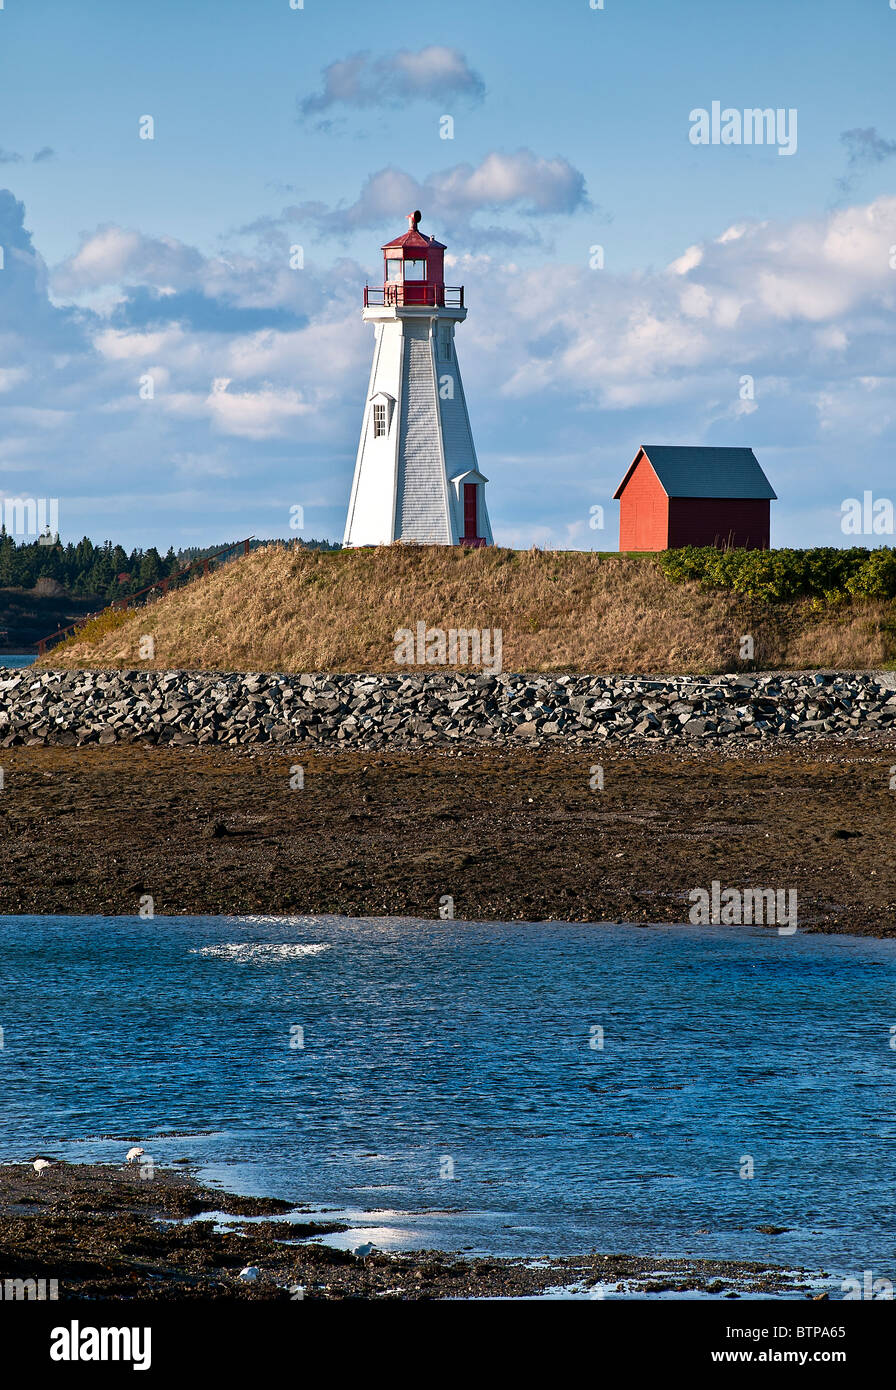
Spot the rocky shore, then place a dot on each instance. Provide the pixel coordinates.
(432, 710)
(100, 1231)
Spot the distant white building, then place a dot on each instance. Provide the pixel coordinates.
(416, 475)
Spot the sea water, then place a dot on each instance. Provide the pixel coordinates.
(518, 1089)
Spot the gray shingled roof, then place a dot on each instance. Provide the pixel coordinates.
(700, 472)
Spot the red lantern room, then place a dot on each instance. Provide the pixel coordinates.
(414, 273)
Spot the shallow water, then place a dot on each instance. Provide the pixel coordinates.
(432, 1047)
(17, 661)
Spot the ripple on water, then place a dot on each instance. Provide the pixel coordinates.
(261, 951)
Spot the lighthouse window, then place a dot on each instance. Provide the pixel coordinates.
(393, 271)
(415, 270)
(379, 421)
(445, 344)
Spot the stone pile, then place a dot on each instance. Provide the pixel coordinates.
(339, 711)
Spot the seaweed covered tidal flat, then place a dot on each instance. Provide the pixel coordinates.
(101, 1231)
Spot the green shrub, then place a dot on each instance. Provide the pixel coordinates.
(779, 575)
(877, 577)
(96, 626)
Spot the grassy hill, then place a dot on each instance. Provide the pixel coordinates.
(286, 609)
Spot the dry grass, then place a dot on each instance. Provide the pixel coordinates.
(93, 631)
(293, 610)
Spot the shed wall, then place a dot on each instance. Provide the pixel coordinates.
(741, 522)
(643, 511)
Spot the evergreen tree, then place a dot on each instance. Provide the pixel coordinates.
(150, 567)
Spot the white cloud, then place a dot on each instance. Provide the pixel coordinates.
(255, 414)
(432, 73)
(691, 258)
(768, 301)
(521, 182)
(262, 414)
(696, 302)
(731, 234)
(112, 255)
(12, 376)
(507, 180)
(122, 346)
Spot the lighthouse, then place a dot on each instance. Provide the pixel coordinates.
(416, 474)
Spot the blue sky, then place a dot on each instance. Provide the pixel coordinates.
(129, 258)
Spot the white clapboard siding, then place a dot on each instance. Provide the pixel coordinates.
(421, 514)
(401, 489)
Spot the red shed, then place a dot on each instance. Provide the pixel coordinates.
(673, 496)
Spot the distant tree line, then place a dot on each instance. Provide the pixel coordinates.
(105, 571)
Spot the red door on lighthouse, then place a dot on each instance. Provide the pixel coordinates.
(470, 512)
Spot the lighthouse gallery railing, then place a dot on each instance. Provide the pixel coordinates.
(411, 296)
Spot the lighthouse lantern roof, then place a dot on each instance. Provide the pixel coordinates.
(413, 239)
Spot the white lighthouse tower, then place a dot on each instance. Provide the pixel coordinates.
(416, 475)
